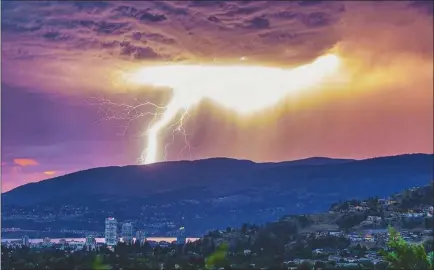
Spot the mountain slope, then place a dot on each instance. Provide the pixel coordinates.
(140, 180)
(218, 192)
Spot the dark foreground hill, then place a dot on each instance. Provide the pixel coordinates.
(206, 194)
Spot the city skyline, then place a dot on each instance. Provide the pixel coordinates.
(53, 67)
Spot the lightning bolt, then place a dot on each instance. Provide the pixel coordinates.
(244, 89)
(166, 115)
(149, 155)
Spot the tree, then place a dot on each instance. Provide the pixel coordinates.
(350, 220)
(218, 258)
(98, 264)
(404, 256)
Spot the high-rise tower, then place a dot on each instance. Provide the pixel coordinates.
(111, 231)
(127, 233)
(180, 236)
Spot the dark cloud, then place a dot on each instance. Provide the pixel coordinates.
(207, 4)
(56, 36)
(13, 27)
(127, 49)
(286, 15)
(242, 11)
(258, 23)
(151, 17)
(168, 8)
(309, 2)
(278, 36)
(108, 28)
(91, 6)
(213, 19)
(92, 26)
(137, 52)
(426, 6)
(316, 19)
(179, 29)
(141, 15)
(155, 37)
(126, 11)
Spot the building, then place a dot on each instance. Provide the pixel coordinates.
(180, 236)
(140, 237)
(26, 241)
(90, 242)
(247, 252)
(429, 211)
(127, 233)
(76, 245)
(111, 231)
(374, 218)
(46, 241)
(337, 234)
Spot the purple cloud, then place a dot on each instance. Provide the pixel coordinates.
(57, 55)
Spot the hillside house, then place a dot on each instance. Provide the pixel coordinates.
(338, 234)
(374, 218)
(428, 210)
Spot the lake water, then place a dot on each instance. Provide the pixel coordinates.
(100, 240)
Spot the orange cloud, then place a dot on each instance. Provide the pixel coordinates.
(50, 172)
(23, 162)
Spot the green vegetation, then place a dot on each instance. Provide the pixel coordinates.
(405, 256)
(218, 258)
(415, 198)
(98, 264)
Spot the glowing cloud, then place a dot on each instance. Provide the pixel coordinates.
(243, 89)
(50, 172)
(23, 162)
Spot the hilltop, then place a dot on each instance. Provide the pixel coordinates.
(206, 194)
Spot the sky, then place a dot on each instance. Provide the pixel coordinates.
(61, 59)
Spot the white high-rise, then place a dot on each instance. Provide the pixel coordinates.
(127, 232)
(111, 231)
(26, 241)
(140, 237)
(180, 237)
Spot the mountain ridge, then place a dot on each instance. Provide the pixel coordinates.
(236, 166)
(214, 192)
(306, 161)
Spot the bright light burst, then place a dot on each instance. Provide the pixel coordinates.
(243, 89)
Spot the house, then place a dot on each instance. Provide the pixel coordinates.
(428, 210)
(373, 218)
(427, 232)
(413, 215)
(391, 202)
(318, 251)
(334, 258)
(369, 238)
(336, 234)
(247, 252)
